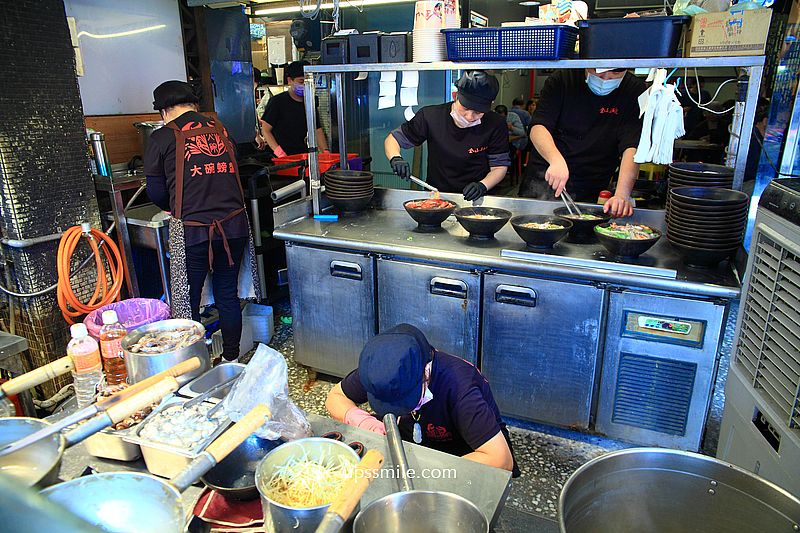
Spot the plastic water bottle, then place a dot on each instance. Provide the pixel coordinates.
(111, 335)
(88, 373)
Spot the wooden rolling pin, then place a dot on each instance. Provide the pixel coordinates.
(173, 372)
(36, 377)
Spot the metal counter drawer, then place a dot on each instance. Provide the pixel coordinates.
(333, 305)
(540, 346)
(443, 303)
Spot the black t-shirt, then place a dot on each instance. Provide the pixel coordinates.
(461, 417)
(590, 131)
(456, 156)
(287, 117)
(210, 189)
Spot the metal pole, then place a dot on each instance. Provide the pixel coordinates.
(262, 277)
(740, 145)
(163, 266)
(790, 146)
(124, 241)
(340, 120)
(313, 157)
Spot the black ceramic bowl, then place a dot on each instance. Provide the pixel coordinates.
(482, 228)
(703, 196)
(349, 175)
(351, 205)
(701, 257)
(625, 248)
(583, 230)
(703, 217)
(699, 169)
(540, 238)
(349, 193)
(429, 219)
(711, 244)
(235, 476)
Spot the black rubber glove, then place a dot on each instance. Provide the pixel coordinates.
(400, 167)
(474, 190)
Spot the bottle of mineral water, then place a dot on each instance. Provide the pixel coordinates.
(111, 335)
(88, 373)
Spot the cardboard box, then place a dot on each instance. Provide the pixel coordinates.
(738, 33)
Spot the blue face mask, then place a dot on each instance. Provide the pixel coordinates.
(299, 90)
(602, 87)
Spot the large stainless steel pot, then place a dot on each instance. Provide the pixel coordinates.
(279, 518)
(652, 490)
(132, 502)
(416, 511)
(146, 129)
(141, 366)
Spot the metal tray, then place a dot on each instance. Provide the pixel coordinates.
(111, 444)
(164, 460)
(216, 375)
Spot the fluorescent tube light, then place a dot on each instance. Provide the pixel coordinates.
(327, 5)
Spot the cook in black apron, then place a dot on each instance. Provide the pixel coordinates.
(193, 159)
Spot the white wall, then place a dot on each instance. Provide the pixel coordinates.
(128, 48)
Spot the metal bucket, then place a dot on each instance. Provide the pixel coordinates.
(420, 511)
(279, 518)
(146, 129)
(37, 464)
(652, 490)
(141, 366)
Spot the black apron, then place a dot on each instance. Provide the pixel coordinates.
(179, 285)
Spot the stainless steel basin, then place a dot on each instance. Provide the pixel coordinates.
(216, 375)
(146, 225)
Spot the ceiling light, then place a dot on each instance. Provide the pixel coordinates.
(530, 3)
(328, 5)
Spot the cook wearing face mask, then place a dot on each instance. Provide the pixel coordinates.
(586, 126)
(284, 127)
(467, 142)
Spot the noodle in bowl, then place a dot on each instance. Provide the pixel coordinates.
(299, 480)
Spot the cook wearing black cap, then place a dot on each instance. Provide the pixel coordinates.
(285, 127)
(586, 124)
(467, 142)
(442, 401)
(191, 172)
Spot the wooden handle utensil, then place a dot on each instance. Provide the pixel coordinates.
(233, 437)
(174, 371)
(154, 394)
(37, 377)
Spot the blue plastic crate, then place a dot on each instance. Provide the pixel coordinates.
(511, 44)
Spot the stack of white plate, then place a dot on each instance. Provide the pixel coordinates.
(430, 17)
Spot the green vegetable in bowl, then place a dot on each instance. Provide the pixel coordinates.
(635, 232)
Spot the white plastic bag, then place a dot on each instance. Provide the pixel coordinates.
(265, 380)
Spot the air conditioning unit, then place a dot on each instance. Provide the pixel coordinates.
(761, 422)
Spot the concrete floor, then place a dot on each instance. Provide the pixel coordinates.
(546, 456)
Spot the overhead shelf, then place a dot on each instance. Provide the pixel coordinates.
(665, 62)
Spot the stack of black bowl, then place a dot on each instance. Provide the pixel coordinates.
(700, 175)
(350, 191)
(706, 225)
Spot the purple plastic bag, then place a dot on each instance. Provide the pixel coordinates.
(132, 313)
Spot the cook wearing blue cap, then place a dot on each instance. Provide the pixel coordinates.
(441, 401)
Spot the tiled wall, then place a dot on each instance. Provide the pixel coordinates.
(46, 184)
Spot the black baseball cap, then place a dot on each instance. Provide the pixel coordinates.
(295, 69)
(477, 90)
(171, 93)
(392, 367)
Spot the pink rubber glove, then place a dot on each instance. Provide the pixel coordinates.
(362, 419)
(279, 152)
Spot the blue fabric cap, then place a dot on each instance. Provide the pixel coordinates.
(391, 368)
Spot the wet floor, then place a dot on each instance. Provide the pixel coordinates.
(546, 456)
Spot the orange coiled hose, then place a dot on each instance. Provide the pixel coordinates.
(71, 306)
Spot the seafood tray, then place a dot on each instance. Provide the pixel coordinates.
(166, 341)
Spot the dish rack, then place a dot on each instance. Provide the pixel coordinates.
(510, 44)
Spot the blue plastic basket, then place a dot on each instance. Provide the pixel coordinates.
(510, 44)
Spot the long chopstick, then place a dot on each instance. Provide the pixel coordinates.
(423, 184)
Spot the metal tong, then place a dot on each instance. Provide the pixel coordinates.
(423, 184)
(572, 207)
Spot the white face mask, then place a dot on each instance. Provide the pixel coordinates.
(602, 87)
(461, 122)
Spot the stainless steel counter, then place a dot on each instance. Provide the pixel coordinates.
(483, 485)
(388, 229)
